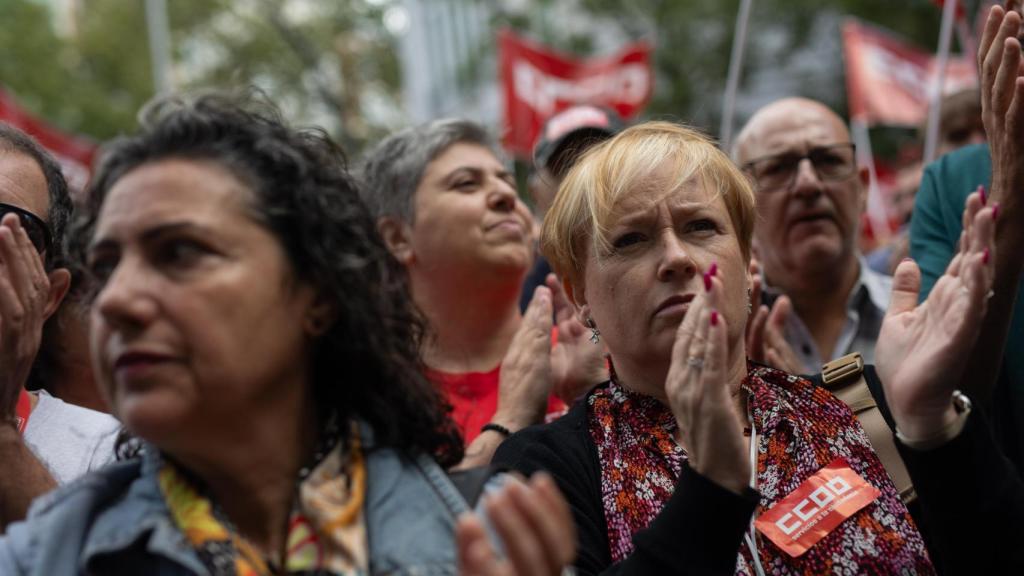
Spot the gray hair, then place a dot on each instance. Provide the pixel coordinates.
(393, 169)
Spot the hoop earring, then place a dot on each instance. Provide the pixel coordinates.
(595, 334)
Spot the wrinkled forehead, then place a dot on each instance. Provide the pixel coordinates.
(23, 183)
(669, 185)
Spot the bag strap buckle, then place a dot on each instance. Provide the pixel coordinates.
(842, 371)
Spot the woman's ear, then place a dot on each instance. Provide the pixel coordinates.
(397, 236)
(577, 296)
(320, 316)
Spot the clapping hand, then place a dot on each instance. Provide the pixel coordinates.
(535, 526)
(697, 388)
(765, 334)
(525, 379)
(533, 368)
(1002, 101)
(922, 349)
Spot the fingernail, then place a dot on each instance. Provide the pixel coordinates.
(713, 271)
(714, 317)
(907, 259)
(995, 211)
(984, 198)
(985, 256)
(707, 281)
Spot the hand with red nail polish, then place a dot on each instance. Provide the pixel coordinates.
(697, 390)
(921, 347)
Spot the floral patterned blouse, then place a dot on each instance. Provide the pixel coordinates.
(801, 428)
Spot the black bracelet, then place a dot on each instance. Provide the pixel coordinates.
(496, 428)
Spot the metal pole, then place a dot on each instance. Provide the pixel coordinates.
(877, 213)
(159, 45)
(739, 44)
(935, 97)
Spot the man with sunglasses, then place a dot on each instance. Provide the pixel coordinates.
(810, 196)
(43, 441)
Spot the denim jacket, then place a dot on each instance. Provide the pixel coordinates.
(115, 521)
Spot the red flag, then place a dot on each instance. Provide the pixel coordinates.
(959, 7)
(538, 83)
(74, 153)
(887, 80)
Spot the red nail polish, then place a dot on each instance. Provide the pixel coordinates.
(985, 256)
(984, 198)
(707, 282)
(713, 271)
(995, 211)
(714, 317)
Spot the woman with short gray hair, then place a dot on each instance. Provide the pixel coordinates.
(447, 208)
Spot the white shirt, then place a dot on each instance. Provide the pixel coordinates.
(70, 440)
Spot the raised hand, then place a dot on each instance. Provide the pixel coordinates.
(577, 364)
(765, 332)
(535, 526)
(923, 349)
(525, 380)
(24, 298)
(1002, 102)
(697, 388)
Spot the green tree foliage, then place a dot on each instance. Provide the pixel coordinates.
(326, 63)
(330, 62)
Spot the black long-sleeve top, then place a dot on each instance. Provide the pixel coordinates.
(698, 531)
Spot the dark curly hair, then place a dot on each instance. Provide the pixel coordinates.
(367, 365)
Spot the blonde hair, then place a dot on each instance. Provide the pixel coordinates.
(584, 206)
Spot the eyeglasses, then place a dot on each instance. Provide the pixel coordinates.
(37, 230)
(778, 172)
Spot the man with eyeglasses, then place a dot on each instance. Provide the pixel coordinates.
(810, 196)
(43, 441)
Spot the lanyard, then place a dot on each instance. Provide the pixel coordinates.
(751, 536)
(23, 410)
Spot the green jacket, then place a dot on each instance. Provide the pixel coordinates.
(934, 232)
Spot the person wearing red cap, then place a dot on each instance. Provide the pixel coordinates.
(563, 139)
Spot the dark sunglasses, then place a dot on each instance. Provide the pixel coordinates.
(37, 230)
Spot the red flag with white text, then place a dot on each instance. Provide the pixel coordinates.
(538, 82)
(888, 80)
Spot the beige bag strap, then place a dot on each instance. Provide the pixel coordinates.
(844, 378)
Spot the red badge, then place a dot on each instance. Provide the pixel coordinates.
(816, 507)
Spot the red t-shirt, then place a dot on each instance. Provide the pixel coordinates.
(474, 399)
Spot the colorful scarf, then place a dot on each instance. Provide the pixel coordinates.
(326, 531)
(801, 428)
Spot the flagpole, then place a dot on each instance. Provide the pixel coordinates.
(939, 81)
(876, 211)
(159, 45)
(739, 44)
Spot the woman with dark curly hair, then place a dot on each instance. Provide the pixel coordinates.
(249, 330)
